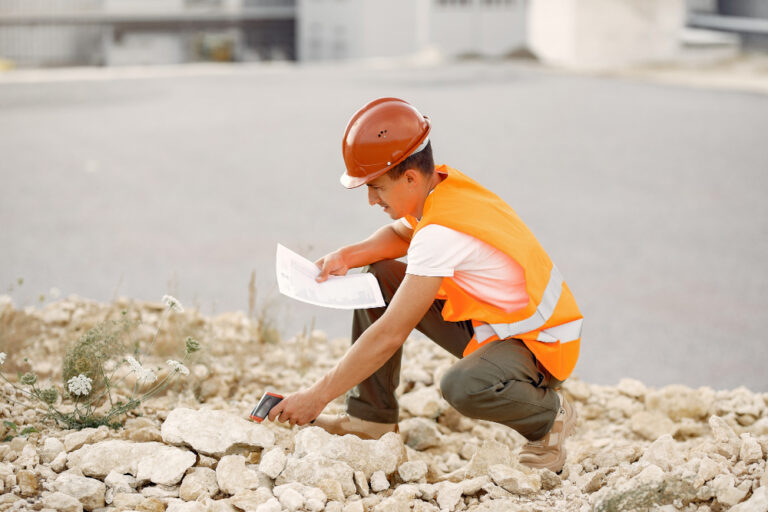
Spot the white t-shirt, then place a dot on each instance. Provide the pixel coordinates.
(478, 268)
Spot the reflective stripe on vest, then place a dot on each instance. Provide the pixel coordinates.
(563, 333)
(539, 317)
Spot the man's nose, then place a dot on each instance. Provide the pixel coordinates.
(373, 197)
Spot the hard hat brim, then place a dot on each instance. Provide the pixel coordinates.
(353, 182)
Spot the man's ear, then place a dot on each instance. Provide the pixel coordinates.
(410, 175)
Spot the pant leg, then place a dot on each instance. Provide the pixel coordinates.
(374, 398)
(502, 382)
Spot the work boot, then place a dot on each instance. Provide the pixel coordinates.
(345, 424)
(549, 451)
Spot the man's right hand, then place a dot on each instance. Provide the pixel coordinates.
(331, 264)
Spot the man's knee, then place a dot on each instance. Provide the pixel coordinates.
(457, 389)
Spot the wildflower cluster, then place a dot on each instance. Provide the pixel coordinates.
(80, 385)
(143, 375)
(177, 367)
(95, 367)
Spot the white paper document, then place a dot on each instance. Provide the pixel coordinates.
(296, 279)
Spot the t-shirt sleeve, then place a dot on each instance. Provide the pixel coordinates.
(436, 251)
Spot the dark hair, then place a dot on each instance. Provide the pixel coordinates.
(421, 161)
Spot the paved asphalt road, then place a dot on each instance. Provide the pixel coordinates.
(650, 198)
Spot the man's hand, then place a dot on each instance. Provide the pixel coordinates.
(298, 408)
(331, 264)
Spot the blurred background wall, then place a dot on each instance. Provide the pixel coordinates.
(571, 33)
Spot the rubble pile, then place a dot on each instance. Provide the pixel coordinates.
(192, 449)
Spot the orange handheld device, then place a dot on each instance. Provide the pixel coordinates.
(267, 402)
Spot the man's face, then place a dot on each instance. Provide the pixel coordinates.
(396, 197)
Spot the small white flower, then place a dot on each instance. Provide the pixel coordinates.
(173, 303)
(2, 358)
(142, 374)
(134, 364)
(147, 376)
(80, 385)
(177, 367)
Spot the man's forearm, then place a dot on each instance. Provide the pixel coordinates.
(369, 353)
(384, 244)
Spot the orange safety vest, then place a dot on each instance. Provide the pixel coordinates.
(550, 325)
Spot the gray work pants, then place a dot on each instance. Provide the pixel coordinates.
(501, 381)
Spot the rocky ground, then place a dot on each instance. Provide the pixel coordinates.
(191, 449)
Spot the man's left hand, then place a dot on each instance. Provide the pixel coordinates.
(298, 408)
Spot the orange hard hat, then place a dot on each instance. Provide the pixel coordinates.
(379, 136)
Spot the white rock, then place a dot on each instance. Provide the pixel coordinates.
(379, 482)
(313, 499)
(361, 483)
(90, 492)
(154, 462)
(758, 502)
(679, 402)
(290, 499)
(514, 480)
(251, 500)
(51, 448)
(273, 462)
(750, 451)
(233, 476)
(726, 440)
(726, 491)
(448, 496)
(423, 506)
(415, 375)
(412, 471)
(202, 430)
(28, 458)
(271, 505)
(198, 482)
(313, 469)
(118, 483)
(160, 491)
(75, 440)
(651, 474)
(127, 501)
(651, 425)
(354, 506)
(62, 502)
(631, 387)
(59, 463)
(334, 506)
(420, 433)
(185, 506)
(489, 453)
(665, 453)
(474, 485)
(368, 456)
(708, 469)
(425, 402)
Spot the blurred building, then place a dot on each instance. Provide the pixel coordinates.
(353, 29)
(119, 32)
(579, 33)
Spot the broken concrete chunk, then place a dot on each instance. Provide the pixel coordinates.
(273, 462)
(232, 476)
(379, 482)
(412, 471)
(202, 430)
(368, 456)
